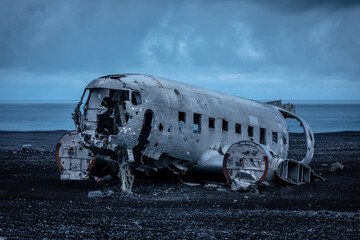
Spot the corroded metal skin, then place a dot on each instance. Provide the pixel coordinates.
(167, 124)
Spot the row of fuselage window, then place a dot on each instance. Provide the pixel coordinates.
(225, 127)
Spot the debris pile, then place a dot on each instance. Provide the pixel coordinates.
(336, 167)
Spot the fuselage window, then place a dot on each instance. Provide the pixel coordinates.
(284, 141)
(263, 136)
(197, 123)
(225, 125)
(211, 122)
(182, 117)
(238, 128)
(250, 131)
(275, 137)
(135, 98)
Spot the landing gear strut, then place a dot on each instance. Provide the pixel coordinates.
(125, 173)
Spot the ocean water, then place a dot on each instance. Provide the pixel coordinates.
(36, 116)
(323, 116)
(328, 116)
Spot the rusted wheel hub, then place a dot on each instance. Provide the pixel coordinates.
(246, 164)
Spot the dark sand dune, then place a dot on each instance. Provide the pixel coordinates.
(34, 203)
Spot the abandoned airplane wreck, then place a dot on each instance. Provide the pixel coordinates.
(134, 121)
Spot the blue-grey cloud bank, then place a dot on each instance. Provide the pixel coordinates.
(268, 50)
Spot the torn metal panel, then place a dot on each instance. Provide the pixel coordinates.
(160, 123)
(73, 158)
(308, 134)
(293, 172)
(288, 106)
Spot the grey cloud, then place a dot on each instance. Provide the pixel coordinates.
(82, 35)
(313, 42)
(290, 6)
(284, 42)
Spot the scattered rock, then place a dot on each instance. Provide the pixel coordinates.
(190, 184)
(239, 184)
(214, 186)
(41, 149)
(26, 147)
(191, 207)
(265, 184)
(336, 167)
(211, 185)
(95, 194)
(106, 178)
(99, 194)
(108, 193)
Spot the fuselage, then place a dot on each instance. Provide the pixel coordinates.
(169, 122)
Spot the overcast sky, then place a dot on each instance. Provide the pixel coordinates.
(50, 50)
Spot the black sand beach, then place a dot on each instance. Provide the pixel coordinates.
(35, 203)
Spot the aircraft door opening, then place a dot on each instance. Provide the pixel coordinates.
(146, 128)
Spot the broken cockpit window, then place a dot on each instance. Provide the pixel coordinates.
(114, 113)
(80, 109)
(85, 99)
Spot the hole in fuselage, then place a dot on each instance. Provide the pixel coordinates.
(146, 128)
(177, 92)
